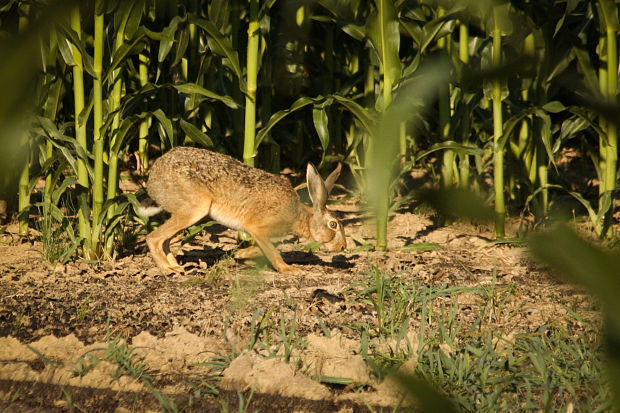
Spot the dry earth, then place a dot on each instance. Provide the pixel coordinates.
(58, 320)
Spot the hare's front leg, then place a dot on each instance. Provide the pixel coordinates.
(248, 253)
(158, 241)
(273, 255)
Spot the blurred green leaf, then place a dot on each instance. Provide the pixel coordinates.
(581, 262)
(428, 399)
(458, 202)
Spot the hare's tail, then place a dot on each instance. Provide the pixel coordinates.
(148, 208)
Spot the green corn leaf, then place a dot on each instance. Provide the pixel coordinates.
(420, 246)
(366, 117)
(546, 133)
(218, 43)
(128, 17)
(457, 147)
(569, 129)
(355, 31)
(191, 88)
(584, 115)
(165, 123)
(554, 107)
(165, 45)
(383, 31)
(436, 29)
(587, 67)
(123, 134)
(65, 48)
(66, 183)
(72, 39)
(182, 41)
(196, 134)
(122, 53)
(321, 124)
(414, 31)
(278, 116)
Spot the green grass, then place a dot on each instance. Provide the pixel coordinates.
(460, 335)
(58, 243)
(557, 367)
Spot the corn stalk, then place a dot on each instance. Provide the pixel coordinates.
(24, 176)
(498, 150)
(464, 58)
(98, 197)
(249, 152)
(80, 135)
(610, 16)
(143, 153)
(382, 28)
(447, 167)
(114, 105)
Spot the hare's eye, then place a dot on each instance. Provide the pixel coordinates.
(333, 224)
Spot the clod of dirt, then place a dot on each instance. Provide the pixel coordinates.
(58, 361)
(177, 351)
(251, 371)
(334, 357)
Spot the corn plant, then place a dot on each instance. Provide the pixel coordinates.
(319, 82)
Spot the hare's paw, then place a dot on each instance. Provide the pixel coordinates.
(167, 269)
(176, 269)
(248, 253)
(288, 269)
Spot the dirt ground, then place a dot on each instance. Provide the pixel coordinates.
(53, 318)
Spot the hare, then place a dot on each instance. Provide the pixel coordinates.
(192, 183)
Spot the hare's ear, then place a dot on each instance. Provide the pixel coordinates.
(316, 187)
(332, 178)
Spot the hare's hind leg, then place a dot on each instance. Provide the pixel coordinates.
(158, 241)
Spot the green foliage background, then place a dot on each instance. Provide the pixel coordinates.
(490, 97)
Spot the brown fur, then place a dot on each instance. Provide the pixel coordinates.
(191, 183)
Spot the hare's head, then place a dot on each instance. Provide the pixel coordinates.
(324, 226)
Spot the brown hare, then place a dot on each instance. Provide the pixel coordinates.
(192, 183)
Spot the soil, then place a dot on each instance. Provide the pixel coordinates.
(57, 321)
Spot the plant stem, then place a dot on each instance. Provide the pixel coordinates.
(252, 76)
(144, 124)
(24, 192)
(383, 199)
(97, 138)
(51, 110)
(235, 17)
(612, 131)
(447, 167)
(115, 103)
(498, 152)
(80, 135)
(464, 42)
(23, 202)
(464, 168)
(602, 79)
